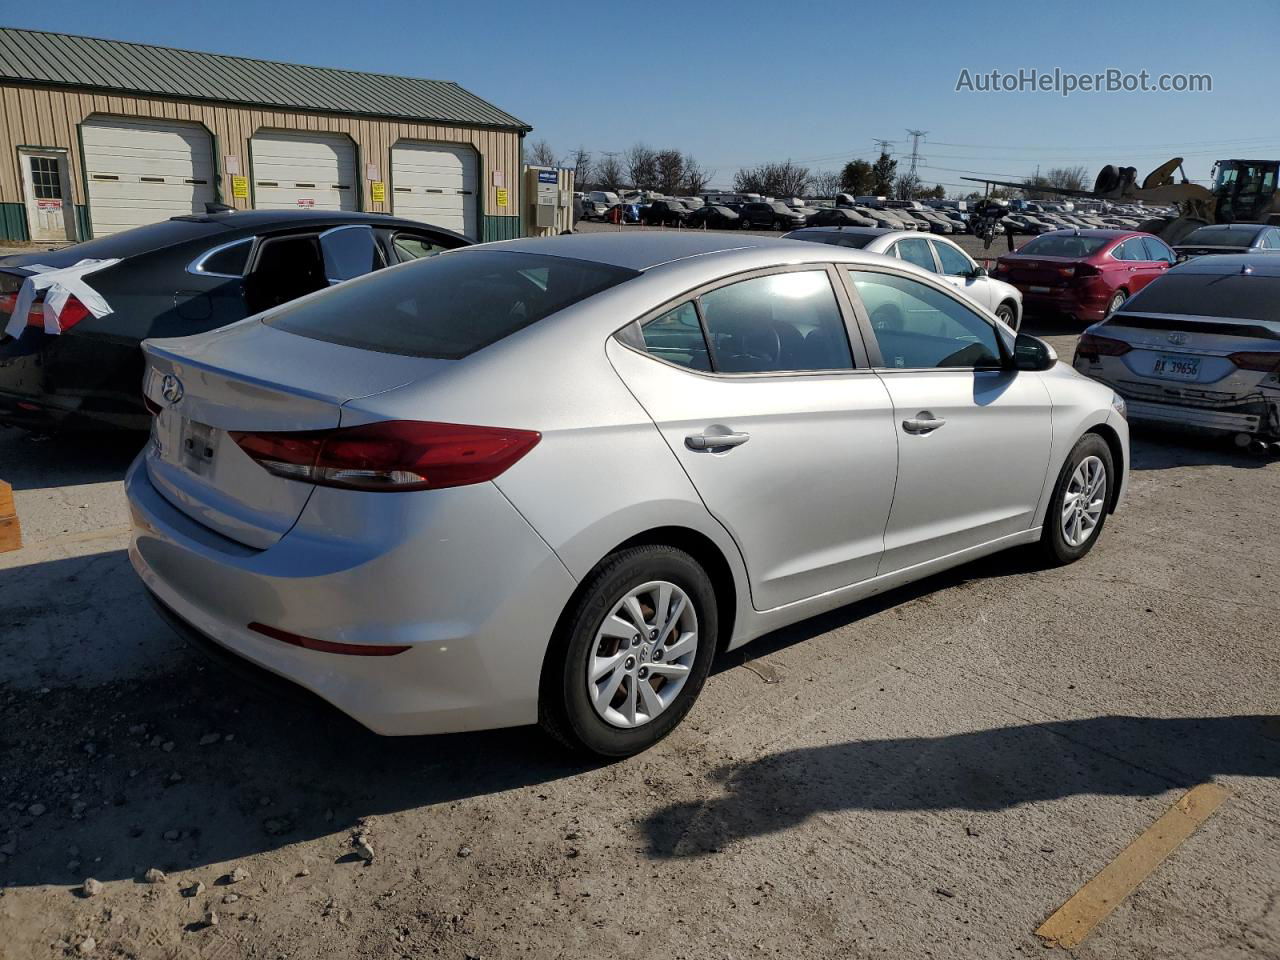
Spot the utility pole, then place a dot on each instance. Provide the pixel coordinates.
(915, 151)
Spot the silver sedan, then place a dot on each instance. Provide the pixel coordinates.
(935, 254)
(1199, 348)
(547, 480)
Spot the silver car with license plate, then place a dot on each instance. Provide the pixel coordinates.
(548, 480)
(1198, 347)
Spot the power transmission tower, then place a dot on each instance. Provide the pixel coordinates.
(915, 150)
(884, 145)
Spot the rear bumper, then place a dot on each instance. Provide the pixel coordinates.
(457, 575)
(1224, 421)
(1082, 305)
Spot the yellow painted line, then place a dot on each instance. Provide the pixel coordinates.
(1093, 902)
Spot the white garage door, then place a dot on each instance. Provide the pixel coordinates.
(292, 170)
(140, 171)
(436, 184)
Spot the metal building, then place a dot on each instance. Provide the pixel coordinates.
(97, 136)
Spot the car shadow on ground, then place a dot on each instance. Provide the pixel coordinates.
(985, 770)
(1160, 448)
(113, 767)
(32, 461)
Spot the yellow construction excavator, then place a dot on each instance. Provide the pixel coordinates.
(1244, 191)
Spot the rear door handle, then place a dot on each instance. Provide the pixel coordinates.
(715, 441)
(922, 424)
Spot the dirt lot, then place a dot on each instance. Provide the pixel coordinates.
(927, 775)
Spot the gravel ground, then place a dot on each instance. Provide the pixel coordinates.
(929, 774)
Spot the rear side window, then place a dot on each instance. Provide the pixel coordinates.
(780, 322)
(917, 251)
(1156, 250)
(1234, 295)
(676, 337)
(229, 261)
(447, 306)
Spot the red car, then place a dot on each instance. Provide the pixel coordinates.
(1086, 274)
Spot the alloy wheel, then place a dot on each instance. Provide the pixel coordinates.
(643, 654)
(1083, 501)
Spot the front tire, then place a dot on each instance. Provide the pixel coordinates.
(631, 654)
(1078, 508)
(1008, 316)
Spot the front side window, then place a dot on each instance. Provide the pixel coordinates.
(954, 263)
(920, 327)
(781, 322)
(916, 250)
(1156, 250)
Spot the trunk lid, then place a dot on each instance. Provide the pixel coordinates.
(1041, 271)
(250, 377)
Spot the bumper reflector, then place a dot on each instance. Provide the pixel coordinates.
(328, 646)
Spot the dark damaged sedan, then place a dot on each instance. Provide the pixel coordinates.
(181, 276)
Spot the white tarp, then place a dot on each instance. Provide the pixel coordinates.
(61, 284)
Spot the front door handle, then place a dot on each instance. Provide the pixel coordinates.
(922, 424)
(715, 441)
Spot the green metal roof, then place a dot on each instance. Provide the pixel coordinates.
(34, 56)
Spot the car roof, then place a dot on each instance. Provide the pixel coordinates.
(644, 250)
(258, 219)
(852, 231)
(1259, 265)
(1214, 227)
(1114, 233)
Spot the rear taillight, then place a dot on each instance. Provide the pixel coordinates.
(1086, 270)
(1261, 361)
(394, 455)
(1091, 347)
(73, 311)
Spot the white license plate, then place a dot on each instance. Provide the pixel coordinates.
(1038, 289)
(1176, 368)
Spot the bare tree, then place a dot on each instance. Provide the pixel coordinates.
(907, 187)
(642, 167)
(608, 172)
(1068, 178)
(827, 183)
(696, 177)
(669, 166)
(581, 160)
(784, 179)
(540, 154)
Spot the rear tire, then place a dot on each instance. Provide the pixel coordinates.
(1117, 301)
(1078, 501)
(570, 707)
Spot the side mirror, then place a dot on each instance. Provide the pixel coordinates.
(978, 272)
(1032, 353)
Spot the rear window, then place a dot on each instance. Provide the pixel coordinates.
(130, 243)
(1196, 294)
(1064, 246)
(447, 306)
(1217, 236)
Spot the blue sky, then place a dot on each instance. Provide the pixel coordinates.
(747, 82)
